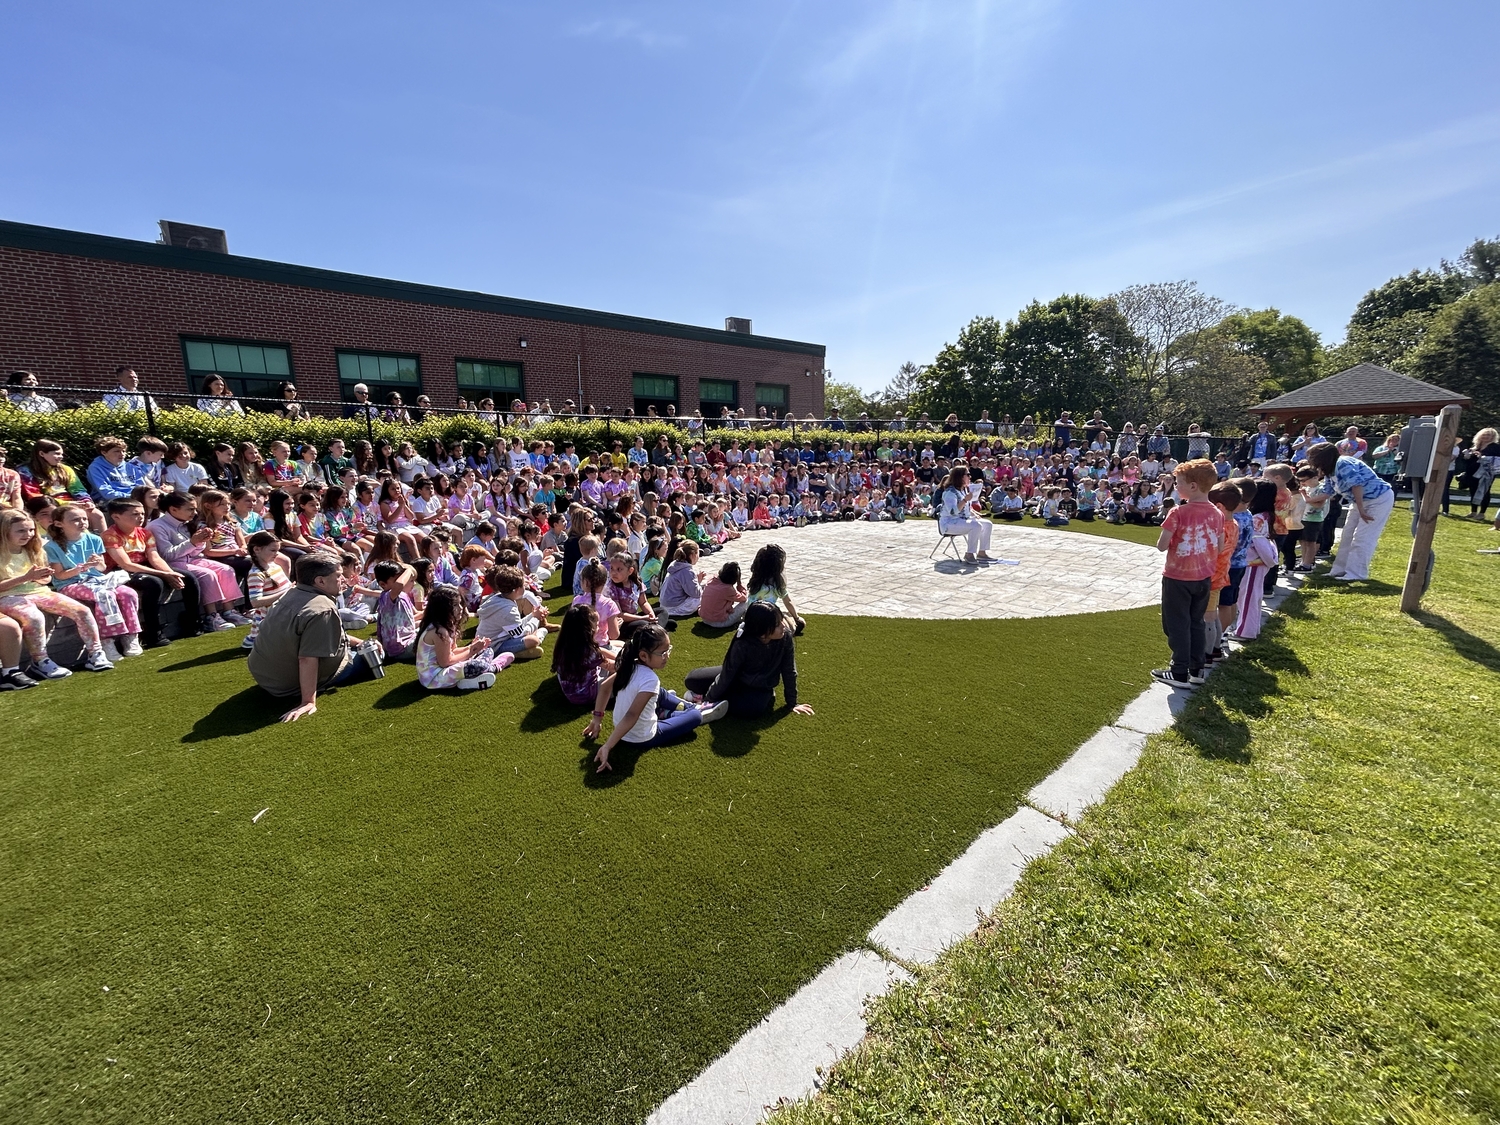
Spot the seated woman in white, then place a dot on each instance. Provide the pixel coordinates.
(958, 516)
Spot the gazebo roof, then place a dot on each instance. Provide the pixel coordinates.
(1362, 389)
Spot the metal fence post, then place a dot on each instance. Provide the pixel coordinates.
(150, 416)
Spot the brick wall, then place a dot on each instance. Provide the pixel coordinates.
(73, 319)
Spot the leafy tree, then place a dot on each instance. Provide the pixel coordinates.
(898, 393)
(849, 399)
(964, 377)
(1073, 353)
(1218, 382)
(1290, 349)
(1480, 263)
(1167, 318)
(1392, 320)
(1461, 352)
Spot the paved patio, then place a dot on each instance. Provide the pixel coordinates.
(882, 570)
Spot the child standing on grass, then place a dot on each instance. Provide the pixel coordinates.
(1191, 536)
(1315, 498)
(1226, 498)
(444, 663)
(1262, 556)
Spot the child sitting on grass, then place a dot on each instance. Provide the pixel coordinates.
(682, 590)
(724, 598)
(1191, 536)
(580, 662)
(656, 557)
(444, 663)
(588, 551)
(501, 617)
(595, 580)
(355, 600)
(395, 610)
(266, 582)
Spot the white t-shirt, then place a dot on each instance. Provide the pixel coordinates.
(642, 679)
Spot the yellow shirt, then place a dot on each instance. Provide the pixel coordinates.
(14, 565)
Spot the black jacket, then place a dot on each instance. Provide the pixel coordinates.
(753, 666)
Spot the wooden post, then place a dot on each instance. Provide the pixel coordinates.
(1432, 502)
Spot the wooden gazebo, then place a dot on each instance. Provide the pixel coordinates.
(1363, 389)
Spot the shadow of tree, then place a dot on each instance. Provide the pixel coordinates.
(222, 656)
(244, 712)
(1463, 642)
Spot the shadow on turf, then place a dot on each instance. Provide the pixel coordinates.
(241, 713)
(1215, 722)
(1463, 642)
(728, 738)
(223, 656)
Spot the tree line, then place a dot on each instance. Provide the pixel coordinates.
(1169, 352)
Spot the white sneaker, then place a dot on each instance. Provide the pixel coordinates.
(97, 662)
(717, 711)
(48, 669)
(111, 653)
(217, 623)
(248, 643)
(132, 645)
(478, 683)
(234, 617)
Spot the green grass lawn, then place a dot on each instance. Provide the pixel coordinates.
(1289, 912)
(442, 916)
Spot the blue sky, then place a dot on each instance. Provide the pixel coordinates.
(864, 175)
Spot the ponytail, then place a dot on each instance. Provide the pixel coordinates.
(643, 638)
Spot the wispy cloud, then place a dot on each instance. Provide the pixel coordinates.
(628, 30)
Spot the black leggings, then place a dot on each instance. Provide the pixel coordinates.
(152, 591)
(743, 703)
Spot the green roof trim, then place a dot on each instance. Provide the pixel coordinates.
(77, 244)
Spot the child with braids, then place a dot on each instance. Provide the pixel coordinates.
(645, 714)
(444, 663)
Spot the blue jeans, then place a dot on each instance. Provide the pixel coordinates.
(675, 727)
(356, 670)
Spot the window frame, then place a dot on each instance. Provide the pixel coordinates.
(705, 405)
(346, 393)
(641, 402)
(235, 380)
(786, 396)
(491, 392)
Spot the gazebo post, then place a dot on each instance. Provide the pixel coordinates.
(1432, 500)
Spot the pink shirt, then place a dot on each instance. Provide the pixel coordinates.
(1196, 532)
(605, 608)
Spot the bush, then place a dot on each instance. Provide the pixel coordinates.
(79, 429)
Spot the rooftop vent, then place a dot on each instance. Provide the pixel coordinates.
(737, 324)
(193, 238)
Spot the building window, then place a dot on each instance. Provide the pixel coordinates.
(499, 381)
(715, 394)
(383, 373)
(250, 370)
(659, 391)
(773, 396)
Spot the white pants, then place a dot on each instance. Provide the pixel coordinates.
(1360, 537)
(977, 531)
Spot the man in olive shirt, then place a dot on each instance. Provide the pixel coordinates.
(301, 648)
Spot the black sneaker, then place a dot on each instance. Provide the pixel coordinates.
(15, 680)
(1170, 678)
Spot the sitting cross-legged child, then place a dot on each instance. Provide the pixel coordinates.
(517, 632)
(442, 662)
(580, 662)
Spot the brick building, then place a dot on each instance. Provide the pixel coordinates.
(73, 306)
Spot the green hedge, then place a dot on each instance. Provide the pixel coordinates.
(79, 429)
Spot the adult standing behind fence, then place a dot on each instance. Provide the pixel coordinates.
(1370, 502)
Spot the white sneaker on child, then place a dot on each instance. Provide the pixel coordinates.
(111, 653)
(234, 617)
(477, 683)
(97, 662)
(48, 669)
(132, 645)
(217, 624)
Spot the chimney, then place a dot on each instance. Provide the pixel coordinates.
(193, 237)
(737, 324)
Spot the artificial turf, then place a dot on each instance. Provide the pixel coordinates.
(1288, 912)
(442, 916)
